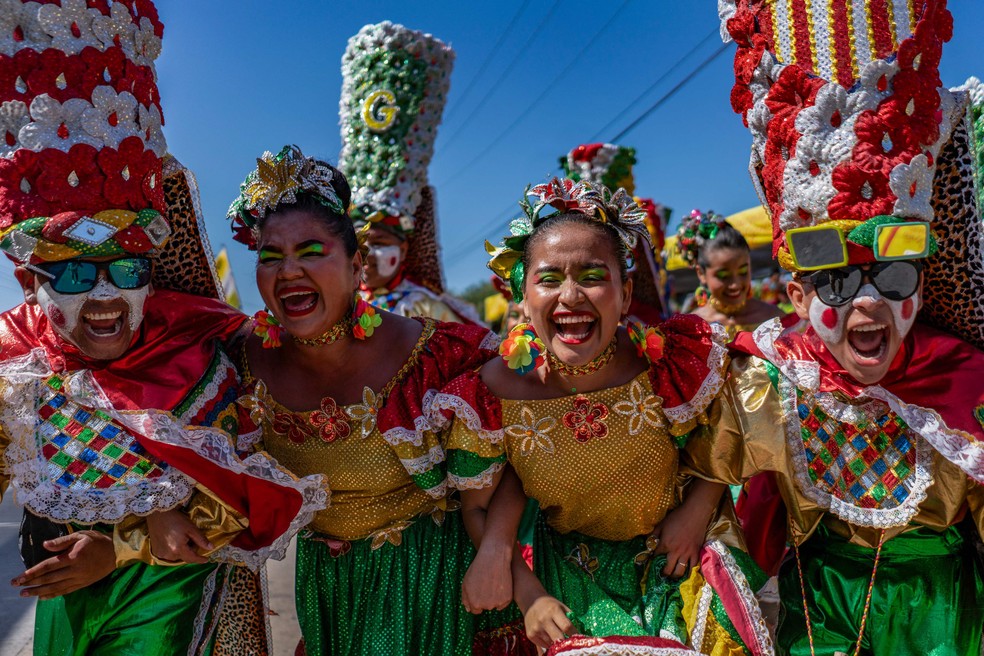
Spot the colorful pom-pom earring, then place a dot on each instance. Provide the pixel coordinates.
(266, 326)
(702, 295)
(522, 350)
(365, 319)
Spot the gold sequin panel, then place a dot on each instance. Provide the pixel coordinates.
(600, 463)
(370, 488)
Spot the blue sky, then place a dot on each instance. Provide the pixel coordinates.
(240, 77)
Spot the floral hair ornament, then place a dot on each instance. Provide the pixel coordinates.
(277, 180)
(522, 350)
(694, 228)
(649, 341)
(554, 198)
(266, 326)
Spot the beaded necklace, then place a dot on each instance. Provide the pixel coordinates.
(563, 369)
(330, 336)
(729, 310)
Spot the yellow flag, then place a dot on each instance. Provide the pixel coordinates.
(224, 269)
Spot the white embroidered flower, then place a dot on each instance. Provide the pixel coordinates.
(912, 185)
(147, 45)
(112, 116)
(533, 432)
(149, 120)
(726, 10)
(642, 409)
(69, 25)
(56, 125)
(13, 116)
(116, 29)
(827, 114)
(20, 27)
(808, 180)
(365, 413)
(875, 84)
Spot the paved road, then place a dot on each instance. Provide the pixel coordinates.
(17, 615)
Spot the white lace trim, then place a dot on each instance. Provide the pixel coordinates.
(753, 611)
(208, 589)
(425, 463)
(849, 512)
(478, 482)
(223, 369)
(700, 622)
(400, 435)
(805, 374)
(681, 414)
(21, 385)
(490, 342)
(462, 411)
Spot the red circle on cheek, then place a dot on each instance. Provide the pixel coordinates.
(907, 309)
(829, 318)
(57, 317)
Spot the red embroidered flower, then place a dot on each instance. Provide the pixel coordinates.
(125, 170)
(139, 80)
(331, 420)
(793, 91)
(18, 199)
(12, 68)
(71, 181)
(861, 194)
(884, 138)
(153, 186)
(291, 425)
(56, 74)
(99, 65)
(587, 419)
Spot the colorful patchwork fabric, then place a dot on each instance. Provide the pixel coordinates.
(861, 462)
(84, 448)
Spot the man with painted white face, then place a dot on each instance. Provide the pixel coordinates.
(118, 404)
(870, 419)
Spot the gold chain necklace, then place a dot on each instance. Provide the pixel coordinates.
(729, 310)
(564, 370)
(330, 336)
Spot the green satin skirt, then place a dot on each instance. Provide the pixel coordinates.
(139, 609)
(397, 600)
(928, 596)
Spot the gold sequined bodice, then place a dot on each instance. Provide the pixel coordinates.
(600, 463)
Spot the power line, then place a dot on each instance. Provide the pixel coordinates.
(543, 94)
(488, 59)
(463, 252)
(633, 103)
(508, 69)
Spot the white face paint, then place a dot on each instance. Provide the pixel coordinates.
(387, 259)
(64, 310)
(829, 322)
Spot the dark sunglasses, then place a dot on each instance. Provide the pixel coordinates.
(896, 281)
(80, 276)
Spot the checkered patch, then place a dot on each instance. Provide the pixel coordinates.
(871, 465)
(84, 448)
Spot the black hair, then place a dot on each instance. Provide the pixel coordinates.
(576, 218)
(339, 225)
(727, 237)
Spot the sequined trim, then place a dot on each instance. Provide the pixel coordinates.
(717, 360)
(424, 463)
(753, 612)
(848, 414)
(479, 482)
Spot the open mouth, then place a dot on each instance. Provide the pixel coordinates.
(298, 301)
(869, 343)
(574, 328)
(103, 325)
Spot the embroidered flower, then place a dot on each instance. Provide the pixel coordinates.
(112, 117)
(649, 553)
(912, 184)
(642, 410)
(56, 125)
(291, 425)
(533, 432)
(860, 193)
(116, 29)
(20, 28)
(255, 403)
(18, 198)
(125, 170)
(331, 421)
(150, 122)
(587, 419)
(392, 534)
(581, 557)
(71, 181)
(365, 413)
(146, 42)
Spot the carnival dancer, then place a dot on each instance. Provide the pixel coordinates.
(723, 262)
(611, 166)
(870, 420)
(117, 397)
(342, 387)
(592, 418)
(394, 86)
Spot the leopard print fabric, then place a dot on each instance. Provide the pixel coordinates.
(242, 626)
(423, 253)
(185, 262)
(954, 278)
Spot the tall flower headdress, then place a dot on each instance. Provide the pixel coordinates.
(695, 227)
(278, 179)
(561, 196)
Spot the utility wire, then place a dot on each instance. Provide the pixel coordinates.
(508, 69)
(634, 102)
(488, 59)
(462, 250)
(543, 94)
